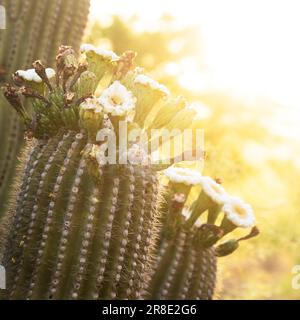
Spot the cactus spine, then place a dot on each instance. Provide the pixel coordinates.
(88, 225)
(34, 29)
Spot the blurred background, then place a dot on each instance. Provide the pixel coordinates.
(239, 60)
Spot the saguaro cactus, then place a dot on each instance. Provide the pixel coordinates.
(82, 228)
(92, 218)
(34, 29)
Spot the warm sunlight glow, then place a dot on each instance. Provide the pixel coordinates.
(250, 47)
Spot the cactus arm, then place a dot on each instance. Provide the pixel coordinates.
(183, 271)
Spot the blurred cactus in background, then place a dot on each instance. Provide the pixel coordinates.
(34, 29)
(94, 218)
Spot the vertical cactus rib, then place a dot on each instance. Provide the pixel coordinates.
(10, 128)
(161, 269)
(168, 282)
(204, 276)
(30, 234)
(36, 25)
(81, 265)
(63, 27)
(70, 237)
(187, 278)
(136, 230)
(120, 231)
(17, 45)
(75, 34)
(147, 236)
(14, 252)
(14, 8)
(27, 174)
(49, 172)
(50, 21)
(105, 215)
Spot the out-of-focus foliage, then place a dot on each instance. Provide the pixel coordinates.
(253, 162)
(154, 48)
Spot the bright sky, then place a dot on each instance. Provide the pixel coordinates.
(251, 47)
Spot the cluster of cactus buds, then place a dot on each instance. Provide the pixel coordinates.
(93, 218)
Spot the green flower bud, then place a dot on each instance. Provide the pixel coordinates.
(91, 116)
(87, 83)
(227, 248)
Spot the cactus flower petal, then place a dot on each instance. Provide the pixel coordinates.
(31, 75)
(214, 190)
(147, 81)
(117, 100)
(106, 54)
(239, 213)
(183, 175)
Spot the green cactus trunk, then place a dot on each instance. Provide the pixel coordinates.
(76, 236)
(183, 270)
(34, 29)
(185, 267)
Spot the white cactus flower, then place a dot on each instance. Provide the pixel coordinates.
(106, 54)
(239, 213)
(183, 175)
(31, 75)
(117, 100)
(214, 190)
(147, 81)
